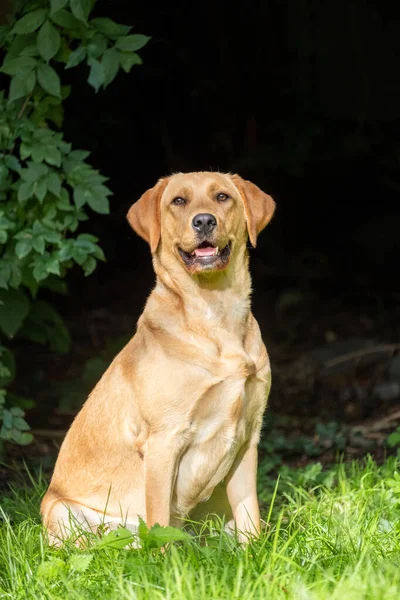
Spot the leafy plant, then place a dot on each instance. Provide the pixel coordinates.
(13, 425)
(155, 537)
(47, 188)
(393, 439)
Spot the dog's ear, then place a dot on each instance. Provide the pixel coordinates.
(144, 216)
(258, 207)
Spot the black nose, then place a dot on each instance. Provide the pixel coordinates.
(204, 223)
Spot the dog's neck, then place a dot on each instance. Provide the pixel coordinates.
(204, 301)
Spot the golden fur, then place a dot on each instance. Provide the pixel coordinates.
(175, 420)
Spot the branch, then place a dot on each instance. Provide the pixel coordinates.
(359, 353)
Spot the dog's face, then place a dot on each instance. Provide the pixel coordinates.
(201, 218)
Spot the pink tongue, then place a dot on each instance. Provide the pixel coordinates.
(210, 251)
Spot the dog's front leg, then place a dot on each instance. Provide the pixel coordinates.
(160, 462)
(241, 489)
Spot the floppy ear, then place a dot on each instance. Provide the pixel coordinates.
(144, 216)
(258, 207)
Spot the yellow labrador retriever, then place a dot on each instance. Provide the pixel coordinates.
(175, 420)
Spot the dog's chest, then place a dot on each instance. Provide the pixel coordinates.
(221, 423)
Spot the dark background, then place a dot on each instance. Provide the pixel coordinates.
(303, 98)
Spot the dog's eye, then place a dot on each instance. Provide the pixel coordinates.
(222, 197)
(178, 201)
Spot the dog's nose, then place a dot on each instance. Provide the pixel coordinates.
(204, 223)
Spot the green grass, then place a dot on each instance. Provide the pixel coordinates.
(330, 535)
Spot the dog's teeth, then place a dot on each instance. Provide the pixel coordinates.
(217, 251)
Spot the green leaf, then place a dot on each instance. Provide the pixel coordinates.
(34, 171)
(38, 153)
(128, 59)
(109, 27)
(40, 271)
(98, 253)
(7, 360)
(3, 173)
(49, 80)
(14, 307)
(96, 75)
(48, 40)
(19, 404)
(23, 247)
(30, 22)
(51, 569)
(110, 62)
(21, 85)
(55, 5)
(97, 201)
(131, 43)
(51, 236)
(65, 93)
(97, 46)
(76, 57)
(25, 151)
(87, 238)
(80, 562)
(3, 236)
(42, 133)
(102, 190)
(50, 213)
(10, 272)
(23, 439)
(38, 244)
(7, 419)
(64, 204)
(54, 184)
(30, 50)
(99, 204)
(53, 156)
(117, 539)
(394, 438)
(80, 9)
(66, 250)
(79, 154)
(89, 265)
(158, 536)
(25, 191)
(81, 196)
(12, 162)
(16, 65)
(19, 44)
(41, 189)
(63, 18)
(53, 266)
(79, 255)
(20, 424)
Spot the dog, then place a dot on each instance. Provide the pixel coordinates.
(172, 427)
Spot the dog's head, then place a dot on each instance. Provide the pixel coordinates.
(201, 217)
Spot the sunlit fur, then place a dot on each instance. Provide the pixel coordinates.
(176, 418)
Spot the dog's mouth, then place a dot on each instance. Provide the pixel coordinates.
(207, 255)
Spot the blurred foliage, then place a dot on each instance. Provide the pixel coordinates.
(393, 439)
(71, 394)
(47, 188)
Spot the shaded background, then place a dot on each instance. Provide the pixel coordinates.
(303, 98)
